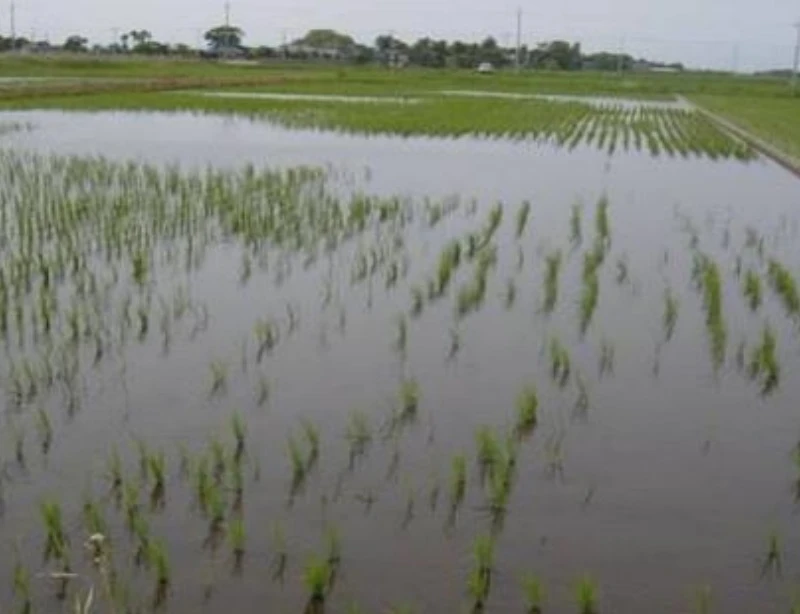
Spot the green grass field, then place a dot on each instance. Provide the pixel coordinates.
(764, 106)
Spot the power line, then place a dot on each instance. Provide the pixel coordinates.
(796, 57)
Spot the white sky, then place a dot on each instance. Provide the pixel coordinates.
(706, 33)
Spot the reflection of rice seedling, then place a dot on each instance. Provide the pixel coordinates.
(18, 442)
(115, 470)
(764, 362)
(417, 301)
(408, 514)
(45, 429)
(752, 290)
(401, 339)
(622, 271)
(281, 555)
(262, 390)
(784, 285)
(590, 293)
(358, 434)
(553, 266)
(581, 409)
(586, 594)
(511, 294)
(534, 594)
(607, 358)
(527, 410)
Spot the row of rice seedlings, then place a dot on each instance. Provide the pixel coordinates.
(712, 302)
(783, 284)
(764, 363)
(552, 270)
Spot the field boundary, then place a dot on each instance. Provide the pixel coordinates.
(787, 161)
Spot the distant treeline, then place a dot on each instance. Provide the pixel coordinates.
(328, 45)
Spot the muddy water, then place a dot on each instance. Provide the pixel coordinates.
(673, 477)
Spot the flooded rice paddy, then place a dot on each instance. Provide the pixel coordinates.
(259, 369)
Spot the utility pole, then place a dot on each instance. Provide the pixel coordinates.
(13, 24)
(518, 57)
(796, 57)
(227, 14)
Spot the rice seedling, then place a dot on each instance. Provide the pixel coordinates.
(409, 401)
(281, 556)
(553, 267)
(575, 224)
(752, 290)
(527, 410)
(93, 518)
(238, 539)
(670, 317)
(712, 300)
(333, 547)
(22, 588)
(219, 376)
(483, 556)
(55, 538)
(586, 596)
(239, 431)
(458, 481)
(783, 284)
(764, 362)
(534, 594)
(589, 294)
(773, 560)
(162, 571)
(560, 363)
(157, 463)
(489, 448)
(311, 434)
(478, 589)
(601, 221)
(298, 460)
(317, 576)
(703, 600)
(523, 213)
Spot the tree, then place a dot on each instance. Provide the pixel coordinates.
(223, 37)
(76, 44)
(326, 39)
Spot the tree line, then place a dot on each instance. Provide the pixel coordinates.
(329, 45)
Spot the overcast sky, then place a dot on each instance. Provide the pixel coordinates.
(710, 33)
